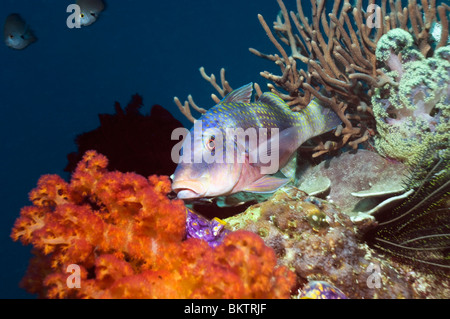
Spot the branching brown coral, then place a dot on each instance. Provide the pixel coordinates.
(338, 49)
(223, 90)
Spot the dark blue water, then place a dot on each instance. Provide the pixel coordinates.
(53, 90)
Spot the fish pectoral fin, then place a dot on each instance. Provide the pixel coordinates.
(225, 202)
(279, 147)
(266, 184)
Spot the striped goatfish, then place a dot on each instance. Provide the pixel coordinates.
(238, 145)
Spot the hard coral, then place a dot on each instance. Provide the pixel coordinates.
(412, 109)
(128, 240)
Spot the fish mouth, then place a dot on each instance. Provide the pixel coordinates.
(188, 189)
(187, 194)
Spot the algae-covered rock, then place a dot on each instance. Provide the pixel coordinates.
(355, 180)
(318, 242)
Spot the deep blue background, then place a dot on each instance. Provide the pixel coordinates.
(54, 89)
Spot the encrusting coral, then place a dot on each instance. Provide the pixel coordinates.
(129, 241)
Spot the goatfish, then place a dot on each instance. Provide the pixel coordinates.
(241, 146)
(17, 33)
(89, 11)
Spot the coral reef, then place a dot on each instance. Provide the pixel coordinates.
(128, 240)
(412, 109)
(131, 140)
(312, 237)
(333, 58)
(338, 50)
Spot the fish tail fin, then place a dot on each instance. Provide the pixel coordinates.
(330, 119)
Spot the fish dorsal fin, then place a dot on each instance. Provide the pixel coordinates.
(274, 101)
(241, 95)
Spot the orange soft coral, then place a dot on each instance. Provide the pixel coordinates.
(128, 240)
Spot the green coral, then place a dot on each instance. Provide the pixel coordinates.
(414, 112)
(395, 41)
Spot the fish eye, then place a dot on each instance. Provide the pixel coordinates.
(11, 36)
(82, 15)
(211, 144)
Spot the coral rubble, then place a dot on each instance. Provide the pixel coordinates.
(313, 238)
(129, 241)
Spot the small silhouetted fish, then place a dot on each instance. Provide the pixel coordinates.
(17, 32)
(89, 11)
